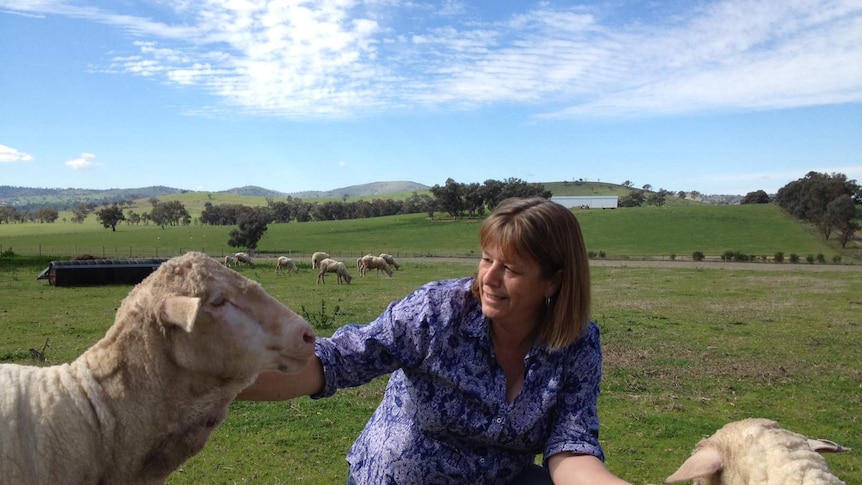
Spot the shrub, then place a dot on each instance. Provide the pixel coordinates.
(821, 258)
(778, 257)
(794, 258)
(321, 319)
(836, 259)
(810, 259)
(697, 256)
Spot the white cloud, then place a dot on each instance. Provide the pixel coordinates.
(83, 162)
(11, 155)
(336, 58)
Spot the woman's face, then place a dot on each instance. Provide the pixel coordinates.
(513, 290)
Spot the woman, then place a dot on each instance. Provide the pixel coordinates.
(487, 372)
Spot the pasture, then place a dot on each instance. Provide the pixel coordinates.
(669, 232)
(686, 348)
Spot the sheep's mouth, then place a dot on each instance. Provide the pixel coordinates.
(291, 365)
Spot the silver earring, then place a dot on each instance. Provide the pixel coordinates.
(547, 302)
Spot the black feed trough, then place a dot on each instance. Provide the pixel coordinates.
(99, 271)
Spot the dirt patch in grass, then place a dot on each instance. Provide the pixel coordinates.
(674, 365)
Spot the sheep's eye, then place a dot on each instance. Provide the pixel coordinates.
(219, 301)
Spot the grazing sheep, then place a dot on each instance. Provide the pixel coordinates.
(389, 260)
(243, 258)
(145, 398)
(284, 262)
(332, 266)
(229, 260)
(757, 452)
(361, 264)
(375, 262)
(316, 258)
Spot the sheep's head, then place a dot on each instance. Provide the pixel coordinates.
(218, 322)
(389, 260)
(346, 276)
(756, 450)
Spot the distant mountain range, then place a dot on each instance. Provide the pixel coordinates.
(29, 198)
(36, 197)
(363, 190)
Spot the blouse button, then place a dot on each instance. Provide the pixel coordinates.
(481, 461)
(499, 420)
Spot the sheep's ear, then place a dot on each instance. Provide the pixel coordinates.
(180, 311)
(703, 463)
(826, 446)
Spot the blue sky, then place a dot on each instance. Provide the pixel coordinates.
(721, 97)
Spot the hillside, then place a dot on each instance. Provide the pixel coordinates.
(364, 190)
(26, 198)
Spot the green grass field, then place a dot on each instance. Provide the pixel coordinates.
(648, 232)
(686, 349)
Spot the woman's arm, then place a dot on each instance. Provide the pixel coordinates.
(272, 385)
(570, 469)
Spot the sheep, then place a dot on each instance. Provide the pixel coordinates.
(360, 264)
(143, 399)
(374, 262)
(332, 266)
(243, 258)
(757, 451)
(229, 260)
(284, 262)
(316, 258)
(389, 260)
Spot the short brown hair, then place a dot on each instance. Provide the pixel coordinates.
(548, 233)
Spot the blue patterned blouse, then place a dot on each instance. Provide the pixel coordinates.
(444, 417)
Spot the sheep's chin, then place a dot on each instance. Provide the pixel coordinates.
(292, 365)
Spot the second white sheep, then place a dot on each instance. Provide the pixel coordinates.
(758, 451)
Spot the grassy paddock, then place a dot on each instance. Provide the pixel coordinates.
(648, 232)
(686, 350)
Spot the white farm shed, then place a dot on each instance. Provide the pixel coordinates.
(587, 201)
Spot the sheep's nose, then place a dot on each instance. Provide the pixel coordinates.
(308, 336)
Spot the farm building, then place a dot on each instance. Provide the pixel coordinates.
(587, 201)
(99, 271)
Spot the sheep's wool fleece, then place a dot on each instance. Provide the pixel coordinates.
(60, 395)
(758, 451)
